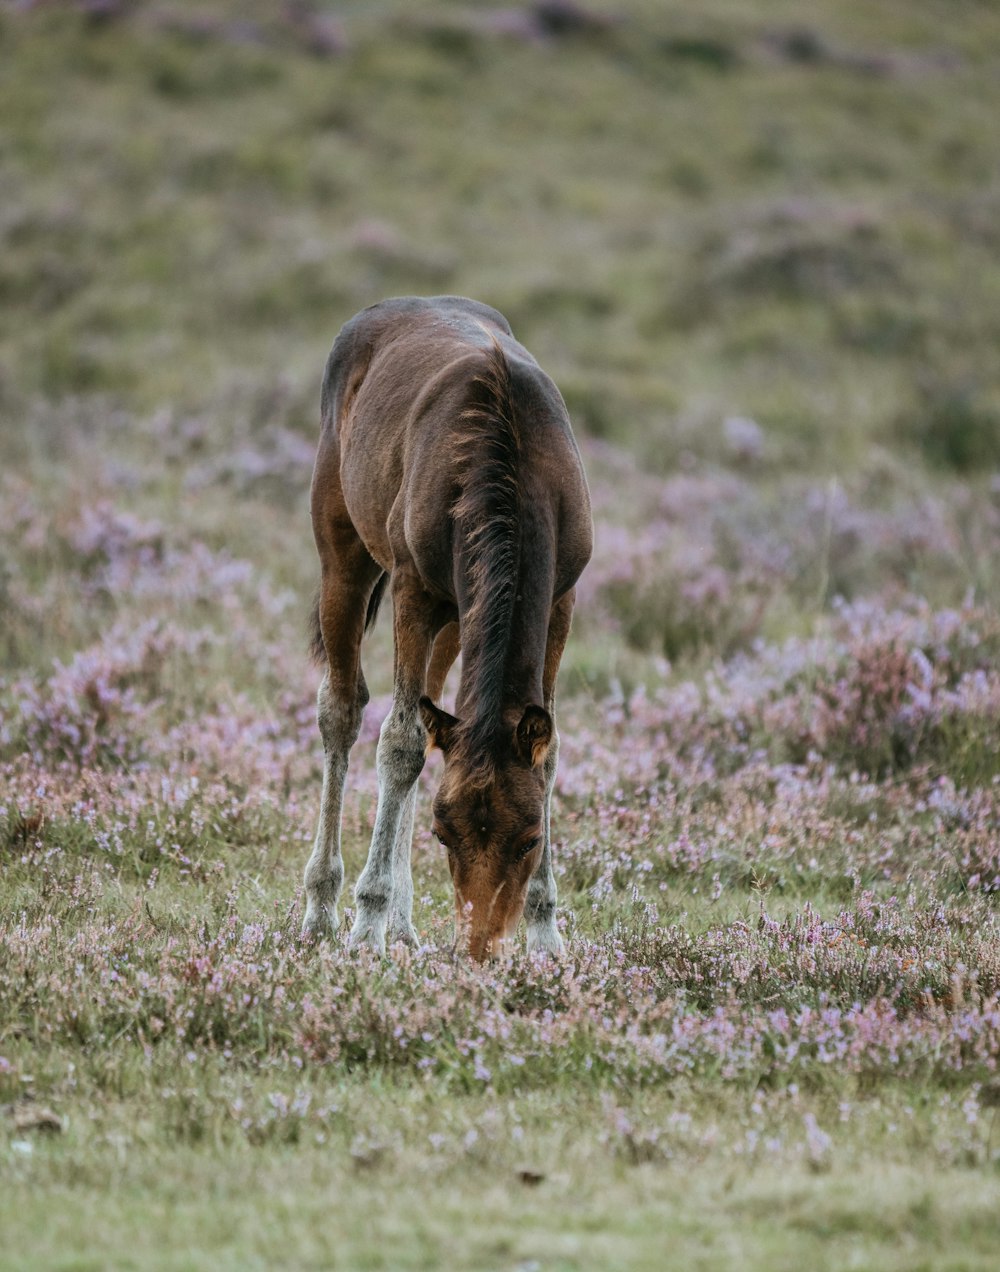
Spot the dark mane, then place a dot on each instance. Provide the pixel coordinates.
(488, 522)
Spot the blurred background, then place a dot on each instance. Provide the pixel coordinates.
(756, 245)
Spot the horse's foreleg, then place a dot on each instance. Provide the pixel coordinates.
(384, 891)
(339, 723)
(540, 904)
(384, 887)
(400, 927)
(349, 575)
(400, 924)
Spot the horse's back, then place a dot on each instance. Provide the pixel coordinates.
(401, 380)
(408, 325)
(413, 363)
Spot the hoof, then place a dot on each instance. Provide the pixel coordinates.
(319, 925)
(368, 931)
(545, 940)
(401, 933)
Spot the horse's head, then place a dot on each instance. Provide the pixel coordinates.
(489, 814)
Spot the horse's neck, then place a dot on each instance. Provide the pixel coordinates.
(520, 668)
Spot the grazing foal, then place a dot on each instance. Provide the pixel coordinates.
(447, 468)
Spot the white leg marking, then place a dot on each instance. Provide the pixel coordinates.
(401, 906)
(385, 884)
(540, 906)
(340, 723)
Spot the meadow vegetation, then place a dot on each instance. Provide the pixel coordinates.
(757, 250)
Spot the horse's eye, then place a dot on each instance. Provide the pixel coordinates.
(530, 846)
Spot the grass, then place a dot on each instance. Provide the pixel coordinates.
(759, 257)
(628, 1218)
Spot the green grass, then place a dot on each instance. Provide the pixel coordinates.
(630, 1218)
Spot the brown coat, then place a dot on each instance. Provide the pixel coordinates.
(447, 465)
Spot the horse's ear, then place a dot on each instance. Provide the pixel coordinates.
(533, 735)
(439, 724)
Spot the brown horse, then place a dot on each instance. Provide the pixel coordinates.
(447, 468)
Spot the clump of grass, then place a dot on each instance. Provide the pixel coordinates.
(955, 425)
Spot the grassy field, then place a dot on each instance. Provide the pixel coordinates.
(759, 253)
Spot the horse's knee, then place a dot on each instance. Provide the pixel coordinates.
(325, 874)
(541, 896)
(400, 754)
(339, 716)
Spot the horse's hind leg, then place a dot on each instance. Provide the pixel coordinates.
(384, 889)
(540, 905)
(349, 577)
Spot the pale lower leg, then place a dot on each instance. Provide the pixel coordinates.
(340, 723)
(400, 922)
(384, 892)
(401, 902)
(540, 904)
(384, 885)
